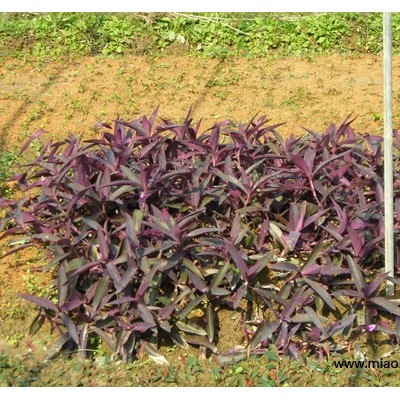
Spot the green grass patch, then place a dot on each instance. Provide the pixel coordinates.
(55, 35)
(269, 370)
(8, 160)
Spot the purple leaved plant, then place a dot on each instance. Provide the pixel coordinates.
(152, 229)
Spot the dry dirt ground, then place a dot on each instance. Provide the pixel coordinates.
(70, 97)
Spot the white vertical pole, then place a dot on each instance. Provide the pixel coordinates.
(388, 151)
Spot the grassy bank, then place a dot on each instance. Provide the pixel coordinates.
(184, 369)
(211, 34)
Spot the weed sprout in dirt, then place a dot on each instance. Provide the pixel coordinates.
(154, 228)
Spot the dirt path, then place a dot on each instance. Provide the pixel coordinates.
(66, 98)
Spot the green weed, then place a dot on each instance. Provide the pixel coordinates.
(55, 35)
(8, 160)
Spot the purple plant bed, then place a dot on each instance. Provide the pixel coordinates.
(150, 223)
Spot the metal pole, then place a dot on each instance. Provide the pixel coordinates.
(388, 151)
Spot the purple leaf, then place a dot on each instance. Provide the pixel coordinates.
(201, 231)
(40, 301)
(198, 282)
(283, 336)
(186, 327)
(314, 335)
(316, 252)
(210, 315)
(321, 291)
(166, 311)
(342, 218)
(113, 273)
(331, 270)
(372, 287)
(201, 341)
(263, 233)
(146, 282)
(71, 304)
(309, 157)
(301, 164)
(263, 332)
(386, 305)
(291, 239)
(237, 259)
(16, 250)
(314, 218)
(103, 243)
(31, 139)
(146, 314)
(142, 327)
(348, 292)
(154, 354)
(235, 300)
(338, 326)
(260, 264)
(108, 339)
(356, 240)
(37, 323)
(357, 274)
(101, 291)
(231, 179)
(228, 359)
(285, 266)
(71, 328)
(292, 304)
(316, 320)
(126, 277)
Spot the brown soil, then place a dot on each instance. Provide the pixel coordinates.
(70, 97)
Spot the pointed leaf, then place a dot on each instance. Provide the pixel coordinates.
(186, 327)
(71, 328)
(107, 338)
(237, 258)
(317, 250)
(228, 359)
(210, 322)
(357, 274)
(373, 286)
(220, 275)
(386, 305)
(260, 264)
(191, 306)
(57, 347)
(101, 291)
(314, 318)
(40, 301)
(201, 341)
(263, 332)
(321, 291)
(230, 179)
(154, 354)
(37, 323)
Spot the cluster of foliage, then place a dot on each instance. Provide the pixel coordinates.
(8, 160)
(154, 228)
(269, 370)
(212, 34)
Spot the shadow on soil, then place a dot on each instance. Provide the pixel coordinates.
(22, 109)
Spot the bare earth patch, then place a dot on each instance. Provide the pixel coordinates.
(70, 97)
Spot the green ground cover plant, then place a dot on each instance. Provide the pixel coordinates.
(8, 160)
(54, 35)
(268, 370)
(152, 224)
